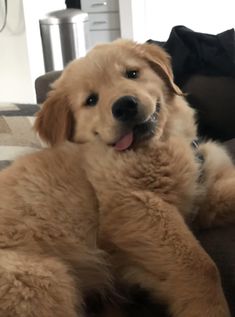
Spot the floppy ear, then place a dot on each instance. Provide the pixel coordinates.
(160, 62)
(55, 122)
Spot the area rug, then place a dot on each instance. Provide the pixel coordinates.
(17, 136)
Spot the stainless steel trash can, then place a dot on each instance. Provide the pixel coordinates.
(65, 36)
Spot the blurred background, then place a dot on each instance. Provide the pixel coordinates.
(21, 46)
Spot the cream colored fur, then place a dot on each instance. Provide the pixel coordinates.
(77, 217)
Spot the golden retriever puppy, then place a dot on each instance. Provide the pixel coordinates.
(76, 217)
(121, 101)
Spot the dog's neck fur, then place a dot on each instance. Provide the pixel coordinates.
(181, 120)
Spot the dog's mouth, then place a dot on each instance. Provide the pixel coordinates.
(138, 133)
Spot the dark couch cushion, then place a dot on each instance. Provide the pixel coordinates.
(43, 84)
(220, 244)
(230, 145)
(214, 100)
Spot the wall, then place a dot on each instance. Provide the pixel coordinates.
(14, 68)
(133, 19)
(21, 58)
(201, 15)
(145, 19)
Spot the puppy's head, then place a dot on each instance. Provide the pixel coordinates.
(117, 93)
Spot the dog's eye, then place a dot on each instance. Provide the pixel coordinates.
(92, 100)
(132, 74)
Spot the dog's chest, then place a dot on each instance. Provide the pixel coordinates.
(170, 170)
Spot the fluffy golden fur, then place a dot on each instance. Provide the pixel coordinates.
(77, 218)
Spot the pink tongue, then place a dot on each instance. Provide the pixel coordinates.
(125, 142)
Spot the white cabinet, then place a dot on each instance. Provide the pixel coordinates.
(100, 6)
(104, 21)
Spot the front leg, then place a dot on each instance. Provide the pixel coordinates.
(151, 246)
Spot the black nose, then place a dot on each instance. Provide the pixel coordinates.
(125, 108)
